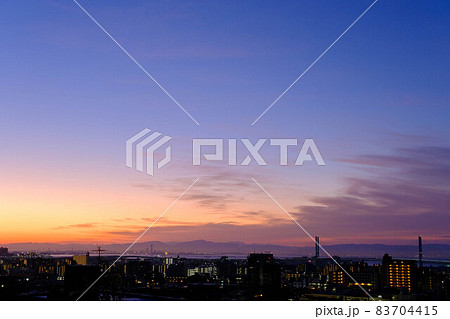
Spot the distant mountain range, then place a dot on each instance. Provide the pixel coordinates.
(440, 251)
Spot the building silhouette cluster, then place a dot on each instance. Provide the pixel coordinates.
(260, 276)
(3, 252)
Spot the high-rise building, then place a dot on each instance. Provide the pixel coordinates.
(399, 273)
(338, 277)
(264, 275)
(317, 247)
(226, 269)
(159, 268)
(177, 272)
(168, 261)
(420, 252)
(81, 259)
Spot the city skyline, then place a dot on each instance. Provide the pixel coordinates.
(376, 105)
(257, 276)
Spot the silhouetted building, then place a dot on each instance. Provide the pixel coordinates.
(399, 274)
(306, 268)
(420, 252)
(4, 251)
(226, 269)
(364, 275)
(138, 267)
(317, 247)
(177, 272)
(78, 278)
(264, 275)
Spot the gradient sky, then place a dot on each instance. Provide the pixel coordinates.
(377, 106)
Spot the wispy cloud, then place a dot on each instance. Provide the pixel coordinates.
(84, 225)
(407, 193)
(395, 197)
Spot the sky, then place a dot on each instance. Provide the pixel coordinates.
(376, 105)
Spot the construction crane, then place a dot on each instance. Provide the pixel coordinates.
(99, 250)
